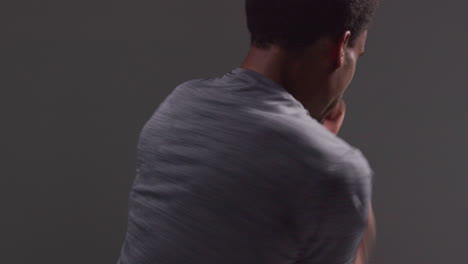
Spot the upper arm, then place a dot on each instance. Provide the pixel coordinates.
(367, 241)
(343, 216)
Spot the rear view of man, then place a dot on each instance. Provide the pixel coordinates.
(246, 167)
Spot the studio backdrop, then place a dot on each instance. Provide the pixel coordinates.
(80, 78)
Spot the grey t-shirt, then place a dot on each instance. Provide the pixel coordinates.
(233, 169)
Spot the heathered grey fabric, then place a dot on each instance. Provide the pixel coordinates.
(233, 170)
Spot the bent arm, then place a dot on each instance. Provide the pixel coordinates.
(368, 240)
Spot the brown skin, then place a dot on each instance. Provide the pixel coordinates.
(317, 78)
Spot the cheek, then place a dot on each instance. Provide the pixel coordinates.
(351, 76)
(350, 71)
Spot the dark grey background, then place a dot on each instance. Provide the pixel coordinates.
(79, 79)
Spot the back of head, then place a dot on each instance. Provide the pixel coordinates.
(295, 24)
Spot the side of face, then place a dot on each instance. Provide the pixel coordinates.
(328, 64)
(341, 61)
(345, 58)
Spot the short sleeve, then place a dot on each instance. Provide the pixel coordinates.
(347, 191)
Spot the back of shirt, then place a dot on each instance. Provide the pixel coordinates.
(233, 169)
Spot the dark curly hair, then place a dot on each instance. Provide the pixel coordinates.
(295, 24)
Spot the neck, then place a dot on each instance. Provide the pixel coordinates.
(272, 63)
(288, 71)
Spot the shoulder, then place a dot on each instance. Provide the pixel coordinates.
(351, 176)
(347, 188)
(305, 139)
(311, 139)
(323, 150)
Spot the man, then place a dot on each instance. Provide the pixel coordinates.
(247, 167)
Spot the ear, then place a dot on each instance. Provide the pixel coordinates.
(340, 49)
